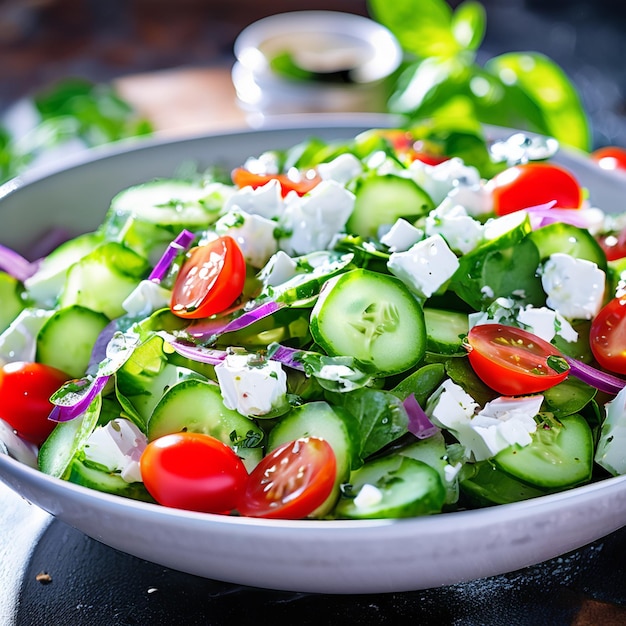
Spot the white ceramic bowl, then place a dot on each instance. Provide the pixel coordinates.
(307, 556)
(325, 39)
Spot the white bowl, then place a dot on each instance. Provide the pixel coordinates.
(307, 556)
(326, 39)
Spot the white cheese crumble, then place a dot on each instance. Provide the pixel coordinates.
(574, 287)
(279, 269)
(266, 200)
(461, 231)
(439, 180)
(546, 323)
(117, 446)
(425, 266)
(313, 220)
(341, 169)
(147, 297)
(475, 198)
(368, 496)
(253, 233)
(18, 342)
(249, 387)
(611, 450)
(501, 423)
(401, 236)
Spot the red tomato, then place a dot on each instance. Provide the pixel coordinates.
(607, 336)
(532, 184)
(614, 245)
(210, 280)
(512, 361)
(25, 390)
(290, 482)
(300, 182)
(610, 158)
(193, 471)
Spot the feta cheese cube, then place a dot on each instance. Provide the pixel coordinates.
(266, 200)
(314, 219)
(253, 233)
(450, 406)
(251, 387)
(117, 446)
(18, 342)
(279, 269)
(425, 266)
(401, 236)
(546, 323)
(341, 169)
(461, 231)
(368, 496)
(439, 180)
(575, 287)
(147, 297)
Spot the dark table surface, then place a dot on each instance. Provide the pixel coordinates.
(51, 574)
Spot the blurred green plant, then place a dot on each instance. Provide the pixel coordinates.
(442, 81)
(72, 112)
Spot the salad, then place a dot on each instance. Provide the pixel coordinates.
(406, 323)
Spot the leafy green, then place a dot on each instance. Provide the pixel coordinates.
(441, 78)
(73, 110)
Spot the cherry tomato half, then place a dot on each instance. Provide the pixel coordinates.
(25, 390)
(610, 158)
(532, 184)
(300, 182)
(607, 336)
(210, 280)
(290, 482)
(511, 360)
(614, 245)
(193, 471)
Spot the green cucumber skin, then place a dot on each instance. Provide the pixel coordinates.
(382, 199)
(11, 298)
(196, 405)
(392, 343)
(445, 330)
(565, 463)
(410, 488)
(66, 339)
(92, 478)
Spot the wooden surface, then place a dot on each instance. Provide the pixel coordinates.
(185, 101)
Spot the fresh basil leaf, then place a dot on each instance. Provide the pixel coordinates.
(468, 24)
(423, 27)
(546, 84)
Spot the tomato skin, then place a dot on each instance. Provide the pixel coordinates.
(614, 245)
(532, 184)
(25, 390)
(193, 471)
(509, 359)
(610, 158)
(291, 481)
(607, 336)
(210, 280)
(301, 184)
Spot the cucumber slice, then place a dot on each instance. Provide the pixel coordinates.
(445, 330)
(196, 406)
(67, 338)
(382, 199)
(487, 485)
(560, 455)
(562, 237)
(11, 298)
(334, 424)
(371, 317)
(93, 478)
(404, 487)
(104, 278)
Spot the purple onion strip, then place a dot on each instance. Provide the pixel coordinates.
(16, 265)
(182, 242)
(81, 402)
(595, 377)
(419, 423)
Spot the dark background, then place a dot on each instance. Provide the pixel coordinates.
(44, 40)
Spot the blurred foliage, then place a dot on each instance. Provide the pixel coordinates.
(441, 79)
(72, 113)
